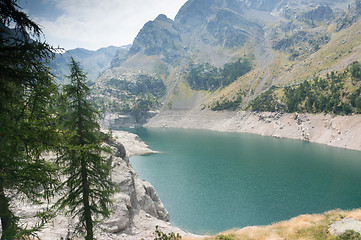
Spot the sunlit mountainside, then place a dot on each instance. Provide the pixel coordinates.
(224, 54)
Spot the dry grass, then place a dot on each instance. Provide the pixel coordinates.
(304, 227)
(343, 49)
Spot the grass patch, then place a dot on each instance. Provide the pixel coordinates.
(305, 227)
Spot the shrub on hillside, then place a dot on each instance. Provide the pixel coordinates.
(224, 237)
(159, 235)
(210, 78)
(350, 235)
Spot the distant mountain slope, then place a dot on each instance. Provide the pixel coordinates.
(285, 41)
(93, 62)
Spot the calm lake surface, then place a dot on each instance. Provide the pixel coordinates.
(211, 181)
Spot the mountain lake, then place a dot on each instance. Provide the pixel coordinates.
(213, 181)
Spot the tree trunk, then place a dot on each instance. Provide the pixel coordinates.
(7, 221)
(87, 211)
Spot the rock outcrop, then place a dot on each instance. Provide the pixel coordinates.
(136, 210)
(159, 37)
(319, 14)
(135, 194)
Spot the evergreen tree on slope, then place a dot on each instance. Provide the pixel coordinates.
(88, 183)
(26, 126)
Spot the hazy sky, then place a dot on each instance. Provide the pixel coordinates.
(93, 24)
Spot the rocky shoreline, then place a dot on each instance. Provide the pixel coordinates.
(336, 131)
(137, 209)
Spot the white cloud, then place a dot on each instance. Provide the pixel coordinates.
(93, 24)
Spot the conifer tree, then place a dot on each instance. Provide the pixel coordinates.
(26, 125)
(88, 183)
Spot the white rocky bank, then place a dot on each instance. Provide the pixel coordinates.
(336, 131)
(137, 209)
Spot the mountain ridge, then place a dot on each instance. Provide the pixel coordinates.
(92, 62)
(281, 42)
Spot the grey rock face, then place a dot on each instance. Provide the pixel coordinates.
(135, 195)
(121, 218)
(217, 22)
(263, 5)
(318, 14)
(197, 12)
(158, 37)
(135, 199)
(231, 29)
(139, 194)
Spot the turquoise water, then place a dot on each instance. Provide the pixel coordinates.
(211, 181)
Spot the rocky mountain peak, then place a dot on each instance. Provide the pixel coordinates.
(162, 17)
(197, 12)
(263, 5)
(213, 23)
(156, 37)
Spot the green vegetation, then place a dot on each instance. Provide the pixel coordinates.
(159, 235)
(338, 93)
(35, 119)
(88, 182)
(224, 237)
(204, 77)
(143, 85)
(142, 93)
(301, 43)
(227, 104)
(266, 102)
(32, 124)
(27, 95)
(291, 36)
(207, 77)
(232, 71)
(355, 70)
(350, 17)
(349, 235)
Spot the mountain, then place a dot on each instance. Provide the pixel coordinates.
(216, 23)
(223, 54)
(196, 13)
(93, 62)
(263, 5)
(159, 37)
